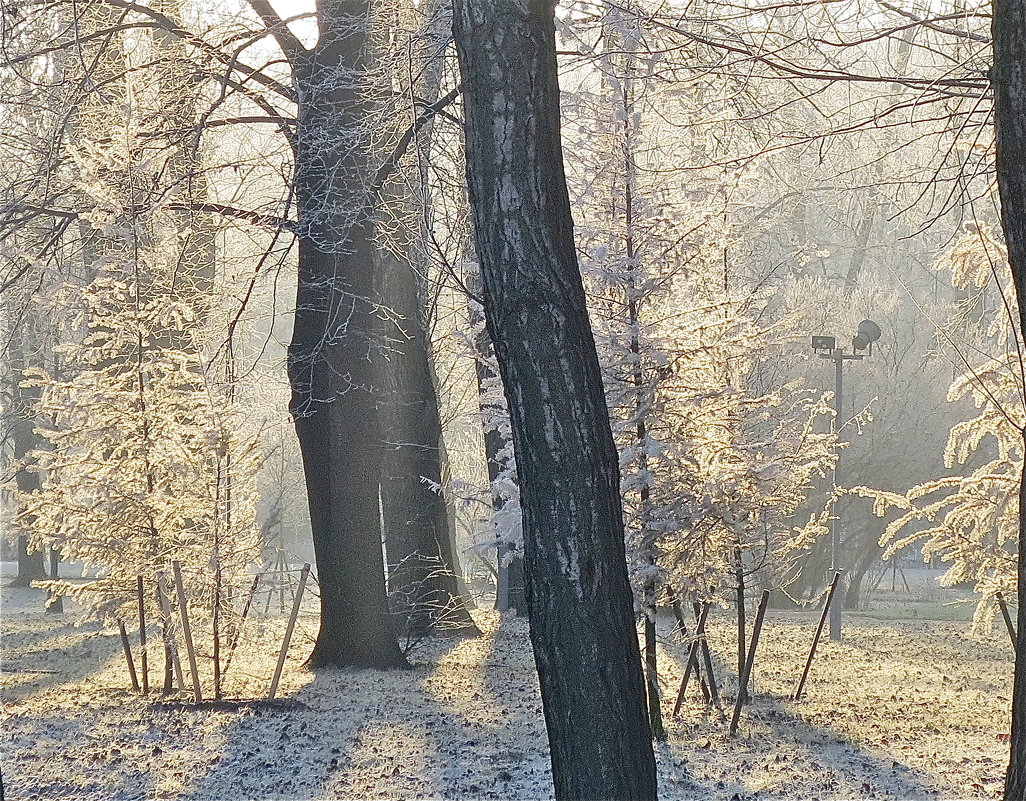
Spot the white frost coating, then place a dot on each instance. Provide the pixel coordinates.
(470, 723)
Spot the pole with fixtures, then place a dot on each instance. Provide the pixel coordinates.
(826, 347)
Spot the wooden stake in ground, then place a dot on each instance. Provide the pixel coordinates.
(128, 655)
(288, 631)
(682, 628)
(1008, 618)
(143, 662)
(815, 639)
(163, 598)
(190, 647)
(706, 655)
(216, 629)
(760, 615)
(692, 658)
(233, 639)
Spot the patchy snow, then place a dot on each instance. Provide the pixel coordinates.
(916, 710)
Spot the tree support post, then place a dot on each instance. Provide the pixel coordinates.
(163, 596)
(288, 632)
(692, 658)
(1008, 619)
(190, 647)
(143, 659)
(128, 655)
(760, 615)
(815, 639)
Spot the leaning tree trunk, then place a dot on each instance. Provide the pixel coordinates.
(1009, 81)
(334, 339)
(578, 595)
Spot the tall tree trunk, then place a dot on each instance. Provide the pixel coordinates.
(578, 595)
(422, 563)
(1008, 77)
(334, 341)
(20, 415)
(422, 581)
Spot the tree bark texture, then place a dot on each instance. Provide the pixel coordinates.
(1008, 77)
(420, 544)
(331, 357)
(578, 595)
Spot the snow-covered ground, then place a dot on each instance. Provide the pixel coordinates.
(903, 711)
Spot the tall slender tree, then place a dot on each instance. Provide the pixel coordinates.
(1008, 77)
(578, 595)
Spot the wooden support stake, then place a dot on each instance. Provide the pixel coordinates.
(713, 690)
(144, 664)
(128, 655)
(187, 631)
(815, 639)
(163, 598)
(692, 659)
(288, 631)
(283, 577)
(1008, 621)
(742, 691)
(682, 628)
(233, 640)
(216, 631)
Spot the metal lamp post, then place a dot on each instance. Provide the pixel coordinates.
(826, 347)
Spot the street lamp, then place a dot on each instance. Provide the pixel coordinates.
(826, 348)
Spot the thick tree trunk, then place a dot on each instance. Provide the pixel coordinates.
(334, 340)
(578, 595)
(853, 593)
(30, 564)
(1009, 81)
(422, 581)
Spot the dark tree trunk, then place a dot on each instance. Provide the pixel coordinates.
(334, 341)
(422, 581)
(853, 593)
(1009, 81)
(30, 563)
(742, 647)
(420, 543)
(20, 422)
(578, 596)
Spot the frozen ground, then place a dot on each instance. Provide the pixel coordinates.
(903, 711)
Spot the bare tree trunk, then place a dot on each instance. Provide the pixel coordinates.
(422, 581)
(578, 595)
(334, 341)
(19, 422)
(742, 647)
(1008, 77)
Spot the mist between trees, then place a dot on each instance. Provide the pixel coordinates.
(515, 318)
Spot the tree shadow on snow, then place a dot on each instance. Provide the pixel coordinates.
(37, 656)
(779, 754)
(361, 733)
